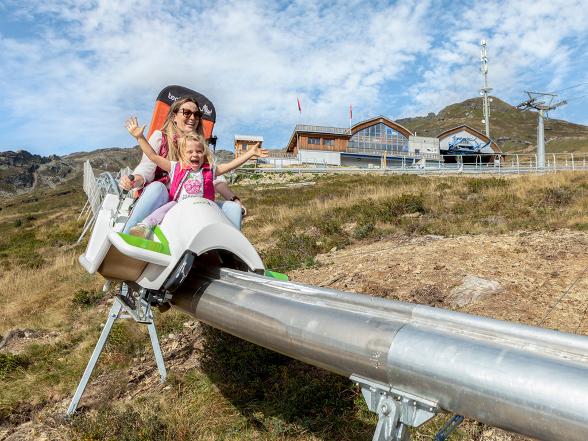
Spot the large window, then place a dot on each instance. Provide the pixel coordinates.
(315, 141)
(379, 137)
(327, 141)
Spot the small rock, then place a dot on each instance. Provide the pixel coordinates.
(433, 237)
(474, 289)
(332, 250)
(495, 435)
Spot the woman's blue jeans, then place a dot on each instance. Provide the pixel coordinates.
(155, 195)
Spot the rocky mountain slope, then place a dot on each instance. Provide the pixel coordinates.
(21, 171)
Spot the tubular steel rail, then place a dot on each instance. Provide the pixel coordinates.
(411, 361)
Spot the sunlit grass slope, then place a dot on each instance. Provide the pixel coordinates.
(235, 390)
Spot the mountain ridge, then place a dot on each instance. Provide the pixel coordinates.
(514, 130)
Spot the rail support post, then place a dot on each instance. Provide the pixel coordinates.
(121, 309)
(397, 410)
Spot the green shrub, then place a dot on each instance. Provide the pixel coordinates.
(63, 234)
(12, 362)
(121, 340)
(86, 299)
(32, 260)
(363, 230)
(126, 424)
(557, 196)
(292, 251)
(403, 204)
(477, 185)
(171, 322)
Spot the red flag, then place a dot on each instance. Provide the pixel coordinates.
(299, 107)
(350, 112)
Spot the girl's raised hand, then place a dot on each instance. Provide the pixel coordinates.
(132, 126)
(259, 152)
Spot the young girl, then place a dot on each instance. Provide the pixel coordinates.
(191, 176)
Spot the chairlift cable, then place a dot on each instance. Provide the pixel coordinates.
(576, 98)
(571, 87)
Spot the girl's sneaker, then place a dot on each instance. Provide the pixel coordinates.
(140, 230)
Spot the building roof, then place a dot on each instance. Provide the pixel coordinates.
(380, 119)
(248, 138)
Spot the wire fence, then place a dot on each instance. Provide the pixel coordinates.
(96, 188)
(482, 163)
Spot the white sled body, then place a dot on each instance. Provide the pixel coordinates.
(196, 225)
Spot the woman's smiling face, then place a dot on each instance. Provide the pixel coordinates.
(187, 117)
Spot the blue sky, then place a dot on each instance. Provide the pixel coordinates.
(72, 72)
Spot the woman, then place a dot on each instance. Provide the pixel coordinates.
(183, 117)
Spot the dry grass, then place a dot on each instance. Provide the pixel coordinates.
(240, 391)
(344, 209)
(37, 298)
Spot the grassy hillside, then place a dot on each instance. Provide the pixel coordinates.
(221, 388)
(514, 130)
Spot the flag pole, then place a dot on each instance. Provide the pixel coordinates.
(350, 116)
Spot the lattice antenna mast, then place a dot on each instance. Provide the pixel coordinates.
(485, 90)
(542, 103)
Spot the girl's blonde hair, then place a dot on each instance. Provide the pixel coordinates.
(194, 137)
(171, 131)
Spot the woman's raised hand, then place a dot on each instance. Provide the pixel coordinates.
(126, 183)
(133, 127)
(258, 151)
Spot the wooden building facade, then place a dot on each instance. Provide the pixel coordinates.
(244, 143)
(378, 134)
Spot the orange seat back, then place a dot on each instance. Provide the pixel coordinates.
(166, 98)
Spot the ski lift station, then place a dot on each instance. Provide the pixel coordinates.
(376, 143)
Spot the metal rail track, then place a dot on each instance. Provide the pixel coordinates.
(410, 360)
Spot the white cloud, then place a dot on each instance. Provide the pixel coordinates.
(251, 58)
(83, 67)
(531, 44)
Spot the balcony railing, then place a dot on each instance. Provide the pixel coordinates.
(322, 129)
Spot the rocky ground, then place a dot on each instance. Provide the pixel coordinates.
(535, 278)
(518, 277)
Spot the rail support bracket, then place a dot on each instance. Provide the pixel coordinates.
(397, 410)
(125, 306)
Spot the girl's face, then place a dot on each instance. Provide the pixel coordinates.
(187, 117)
(194, 154)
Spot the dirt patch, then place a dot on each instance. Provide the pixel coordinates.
(533, 270)
(16, 340)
